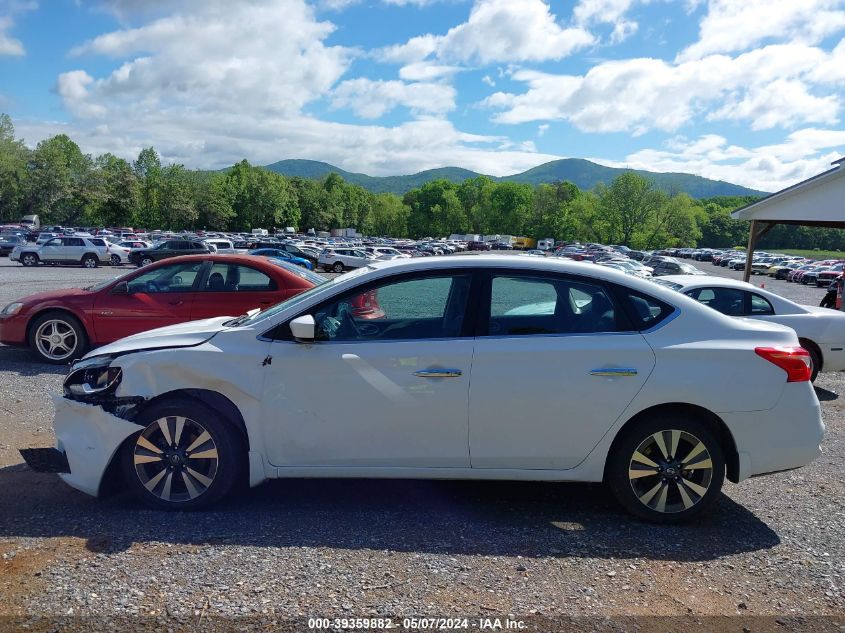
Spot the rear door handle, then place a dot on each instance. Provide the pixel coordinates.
(175, 303)
(614, 371)
(438, 373)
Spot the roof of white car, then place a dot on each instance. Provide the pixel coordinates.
(551, 264)
(690, 281)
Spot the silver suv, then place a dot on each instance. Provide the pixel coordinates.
(339, 259)
(89, 252)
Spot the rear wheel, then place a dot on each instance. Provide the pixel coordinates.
(115, 260)
(29, 259)
(58, 337)
(146, 261)
(186, 458)
(815, 357)
(337, 267)
(666, 469)
(89, 261)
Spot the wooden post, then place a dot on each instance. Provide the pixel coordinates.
(749, 254)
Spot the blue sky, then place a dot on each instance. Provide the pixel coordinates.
(749, 91)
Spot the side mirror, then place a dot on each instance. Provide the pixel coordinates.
(302, 328)
(121, 288)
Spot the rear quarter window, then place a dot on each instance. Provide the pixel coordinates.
(644, 311)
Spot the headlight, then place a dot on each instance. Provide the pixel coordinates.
(93, 377)
(12, 308)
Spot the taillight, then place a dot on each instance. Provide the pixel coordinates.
(795, 361)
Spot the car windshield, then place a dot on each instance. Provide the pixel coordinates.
(299, 271)
(103, 284)
(667, 283)
(296, 299)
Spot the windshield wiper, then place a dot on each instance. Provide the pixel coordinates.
(242, 318)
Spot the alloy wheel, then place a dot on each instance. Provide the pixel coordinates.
(56, 339)
(89, 262)
(115, 260)
(175, 459)
(146, 261)
(670, 471)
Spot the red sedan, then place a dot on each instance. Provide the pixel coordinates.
(61, 325)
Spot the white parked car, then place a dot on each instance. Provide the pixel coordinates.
(222, 246)
(821, 331)
(340, 259)
(627, 382)
(386, 253)
(87, 251)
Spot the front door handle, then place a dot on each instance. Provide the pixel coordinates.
(438, 373)
(614, 371)
(175, 303)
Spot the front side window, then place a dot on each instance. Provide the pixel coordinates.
(422, 308)
(526, 305)
(236, 278)
(171, 278)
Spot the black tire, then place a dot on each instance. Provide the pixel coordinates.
(62, 323)
(337, 267)
(29, 259)
(90, 261)
(115, 260)
(815, 357)
(688, 492)
(145, 261)
(223, 438)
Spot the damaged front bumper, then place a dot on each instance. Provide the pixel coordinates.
(88, 437)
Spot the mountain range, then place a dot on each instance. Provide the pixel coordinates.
(583, 173)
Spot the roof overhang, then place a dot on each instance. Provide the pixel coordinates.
(817, 201)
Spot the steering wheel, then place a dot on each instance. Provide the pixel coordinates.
(348, 327)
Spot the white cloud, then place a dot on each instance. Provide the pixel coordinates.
(736, 25)
(770, 87)
(256, 58)
(371, 99)
(542, 129)
(488, 80)
(496, 31)
(10, 46)
(588, 12)
(803, 154)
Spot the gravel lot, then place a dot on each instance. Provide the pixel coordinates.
(288, 550)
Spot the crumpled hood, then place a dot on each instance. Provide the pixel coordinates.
(180, 335)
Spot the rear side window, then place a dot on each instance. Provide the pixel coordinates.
(528, 305)
(96, 242)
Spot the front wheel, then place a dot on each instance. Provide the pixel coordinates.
(338, 267)
(29, 259)
(58, 337)
(666, 469)
(186, 458)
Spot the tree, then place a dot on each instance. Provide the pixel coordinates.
(58, 174)
(177, 198)
(111, 192)
(13, 172)
(148, 171)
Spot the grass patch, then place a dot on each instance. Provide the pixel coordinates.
(811, 254)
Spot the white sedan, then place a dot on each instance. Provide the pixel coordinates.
(457, 377)
(821, 331)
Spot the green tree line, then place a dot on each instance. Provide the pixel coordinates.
(66, 187)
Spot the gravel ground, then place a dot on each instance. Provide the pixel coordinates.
(288, 550)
